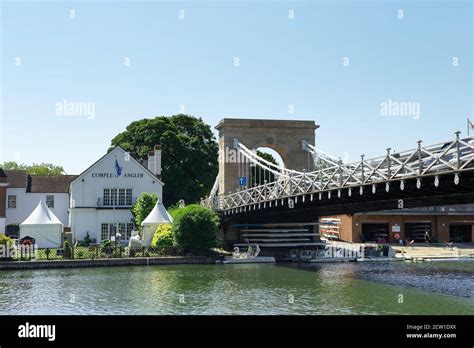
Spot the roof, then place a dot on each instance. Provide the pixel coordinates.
(48, 183)
(158, 215)
(17, 178)
(133, 159)
(3, 176)
(42, 215)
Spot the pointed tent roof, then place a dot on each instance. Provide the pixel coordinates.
(42, 215)
(159, 215)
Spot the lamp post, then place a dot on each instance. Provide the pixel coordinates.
(117, 236)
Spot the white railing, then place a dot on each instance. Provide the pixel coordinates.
(332, 174)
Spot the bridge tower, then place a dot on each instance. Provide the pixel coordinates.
(286, 137)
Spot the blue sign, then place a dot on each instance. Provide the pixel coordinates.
(243, 181)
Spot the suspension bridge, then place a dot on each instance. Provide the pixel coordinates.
(260, 191)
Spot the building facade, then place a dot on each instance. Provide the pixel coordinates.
(3, 200)
(101, 197)
(444, 223)
(20, 193)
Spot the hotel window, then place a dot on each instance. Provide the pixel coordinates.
(129, 197)
(113, 197)
(104, 231)
(121, 229)
(121, 199)
(129, 230)
(50, 201)
(106, 196)
(11, 201)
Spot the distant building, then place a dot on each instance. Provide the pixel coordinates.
(97, 201)
(20, 193)
(443, 223)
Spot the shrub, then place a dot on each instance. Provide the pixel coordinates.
(5, 240)
(67, 250)
(142, 207)
(6, 247)
(163, 236)
(106, 246)
(195, 229)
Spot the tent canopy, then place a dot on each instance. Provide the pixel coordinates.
(43, 226)
(159, 215)
(42, 215)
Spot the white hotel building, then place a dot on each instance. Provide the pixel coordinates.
(97, 201)
(101, 197)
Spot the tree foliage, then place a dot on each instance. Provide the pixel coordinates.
(258, 175)
(142, 207)
(189, 155)
(195, 229)
(5, 240)
(35, 168)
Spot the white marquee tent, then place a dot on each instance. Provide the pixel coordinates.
(43, 226)
(158, 216)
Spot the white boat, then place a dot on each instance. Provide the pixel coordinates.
(258, 259)
(251, 256)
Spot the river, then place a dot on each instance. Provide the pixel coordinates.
(332, 289)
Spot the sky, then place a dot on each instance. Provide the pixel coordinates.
(351, 66)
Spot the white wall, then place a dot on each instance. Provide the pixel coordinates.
(90, 220)
(46, 236)
(26, 202)
(2, 225)
(88, 187)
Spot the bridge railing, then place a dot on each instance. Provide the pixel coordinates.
(446, 157)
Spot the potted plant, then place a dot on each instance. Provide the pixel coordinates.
(67, 250)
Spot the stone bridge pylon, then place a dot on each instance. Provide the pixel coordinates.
(286, 137)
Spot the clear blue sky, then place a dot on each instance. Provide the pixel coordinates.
(190, 62)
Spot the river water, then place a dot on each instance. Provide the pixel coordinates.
(342, 288)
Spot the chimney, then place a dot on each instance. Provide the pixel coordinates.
(157, 160)
(151, 162)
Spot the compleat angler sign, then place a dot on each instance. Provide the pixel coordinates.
(118, 172)
(112, 175)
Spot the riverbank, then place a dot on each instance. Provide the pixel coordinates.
(418, 251)
(432, 252)
(112, 262)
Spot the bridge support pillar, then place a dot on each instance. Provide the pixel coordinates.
(286, 137)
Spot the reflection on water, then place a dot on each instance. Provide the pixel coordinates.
(343, 288)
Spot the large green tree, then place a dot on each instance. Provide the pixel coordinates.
(35, 168)
(189, 157)
(142, 207)
(258, 176)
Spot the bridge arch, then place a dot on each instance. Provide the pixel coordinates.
(286, 137)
